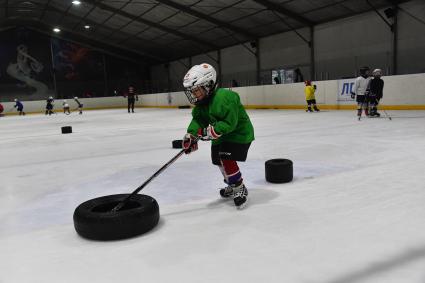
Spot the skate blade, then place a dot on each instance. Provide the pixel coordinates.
(242, 206)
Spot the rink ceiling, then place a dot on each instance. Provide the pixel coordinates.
(150, 27)
(166, 40)
(354, 212)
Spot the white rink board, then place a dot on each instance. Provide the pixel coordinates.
(404, 90)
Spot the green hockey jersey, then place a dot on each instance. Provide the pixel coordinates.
(226, 114)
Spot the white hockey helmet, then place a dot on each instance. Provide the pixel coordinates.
(50, 97)
(15, 100)
(377, 73)
(203, 75)
(75, 97)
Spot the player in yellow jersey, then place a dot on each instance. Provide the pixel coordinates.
(309, 91)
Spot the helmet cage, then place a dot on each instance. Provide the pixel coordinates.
(208, 88)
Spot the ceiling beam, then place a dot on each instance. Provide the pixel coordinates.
(44, 10)
(278, 8)
(113, 14)
(130, 22)
(69, 35)
(83, 18)
(64, 14)
(89, 32)
(152, 24)
(208, 18)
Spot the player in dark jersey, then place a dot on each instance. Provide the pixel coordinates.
(80, 105)
(131, 97)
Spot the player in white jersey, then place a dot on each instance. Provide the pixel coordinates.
(360, 91)
(66, 108)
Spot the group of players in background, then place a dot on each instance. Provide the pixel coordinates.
(367, 92)
(131, 95)
(66, 108)
(50, 106)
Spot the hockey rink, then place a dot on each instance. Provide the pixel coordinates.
(355, 211)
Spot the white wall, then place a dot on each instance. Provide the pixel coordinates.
(238, 63)
(285, 51)
(411, 46)
(341, 48)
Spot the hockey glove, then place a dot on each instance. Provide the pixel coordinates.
(189, 143)
(208, 133)
(353, 95)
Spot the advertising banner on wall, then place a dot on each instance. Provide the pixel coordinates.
(25, 65)
(79, 70)
(345, 87)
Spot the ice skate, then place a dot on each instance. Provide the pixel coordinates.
(240, 196)
(226, 192)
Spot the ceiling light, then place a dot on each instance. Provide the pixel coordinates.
(56, 30)
(86, 26)
(76, 2)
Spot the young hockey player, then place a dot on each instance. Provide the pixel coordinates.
(360, 90)
(49, 106)
(376, 86)
(66, 108)
(19, 106)
(219, 116)
(1, 110)
(80, 105)
(132, 97)
(309, 91)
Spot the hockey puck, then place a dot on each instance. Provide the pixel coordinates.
(177, 144)
(67, 130)
(94, 220)
(279, 170)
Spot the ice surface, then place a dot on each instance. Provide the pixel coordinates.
(355, 211)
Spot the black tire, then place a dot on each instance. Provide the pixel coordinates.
(94, 220)
(67, 130)
(279, 170)
(177, 144)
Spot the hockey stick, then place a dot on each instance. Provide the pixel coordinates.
(388, 116)
(122, 203)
